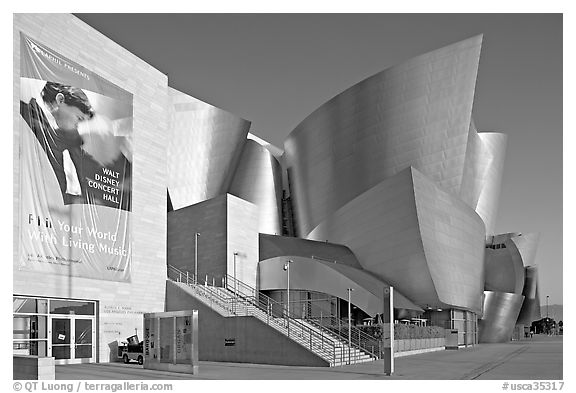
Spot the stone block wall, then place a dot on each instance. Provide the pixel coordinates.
(120, 304)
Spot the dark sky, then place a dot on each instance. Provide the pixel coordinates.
(275, 69)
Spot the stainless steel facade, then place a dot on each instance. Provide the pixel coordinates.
(475, 166)
(258, 179)
(419, 238)
(415, 114)
(482, 177)
(531, 307)
(499, 317)
(494, 149)
(508, 257)
(504, 269)
(390, 183)
(205, 144)
(527, 245)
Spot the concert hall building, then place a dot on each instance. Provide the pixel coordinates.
(132, 197)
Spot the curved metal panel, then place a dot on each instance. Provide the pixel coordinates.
(414, 114)
(499, 317)
(258, 179)
(336, 278)
(273, 246)
(531, 307)
(527, 244)
(422, 240)
(475, 168)
(506, 257)
(504, 269)
(531, 282)
(453, 237)
(494, 146)
(205, 144)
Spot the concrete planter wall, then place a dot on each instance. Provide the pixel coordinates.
(413, 346)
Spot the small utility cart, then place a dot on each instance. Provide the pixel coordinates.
(131, 349)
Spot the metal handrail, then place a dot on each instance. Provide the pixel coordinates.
(187, 278)
(360, 340)
(339, 328)
(265, 303)
(252, 302)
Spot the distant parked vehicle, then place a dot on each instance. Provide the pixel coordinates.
(132, 349)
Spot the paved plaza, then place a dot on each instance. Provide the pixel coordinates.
(539, 358)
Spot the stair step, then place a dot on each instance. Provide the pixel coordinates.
(216, 297)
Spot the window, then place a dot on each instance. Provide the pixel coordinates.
(71, 307)
(33, 317)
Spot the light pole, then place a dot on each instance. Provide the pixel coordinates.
(235, 292)
(196, 257)
(349, 323)
(287, 270)
(547, 306)
(388, 330)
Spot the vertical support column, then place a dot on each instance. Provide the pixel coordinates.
(388, 330)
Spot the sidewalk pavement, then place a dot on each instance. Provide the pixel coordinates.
(539, 358)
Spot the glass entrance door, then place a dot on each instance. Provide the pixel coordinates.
(61, 333)
(83, 338)
(72, 339)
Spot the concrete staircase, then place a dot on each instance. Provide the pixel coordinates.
(320, 341)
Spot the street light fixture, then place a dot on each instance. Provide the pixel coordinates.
(349, 322)
(235, 290)
(196, 257)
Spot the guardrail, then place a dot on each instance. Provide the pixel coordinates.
(239, 299)
(330, 325)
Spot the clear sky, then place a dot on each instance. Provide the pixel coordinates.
(275, 69)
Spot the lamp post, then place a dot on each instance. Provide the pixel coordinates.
(388, 330)
(235, 292)
(196, 257)
(287, 270)
(349, 323)
(547, 306)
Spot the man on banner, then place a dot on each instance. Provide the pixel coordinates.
(80, 156)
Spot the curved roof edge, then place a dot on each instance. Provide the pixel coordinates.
(273, 246)
(173, 90)
(336, 279)
(274, 150)
(472, 41)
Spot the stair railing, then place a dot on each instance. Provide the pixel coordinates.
(247, 301)
(360, 340)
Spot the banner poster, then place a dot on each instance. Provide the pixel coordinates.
(75, 168)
